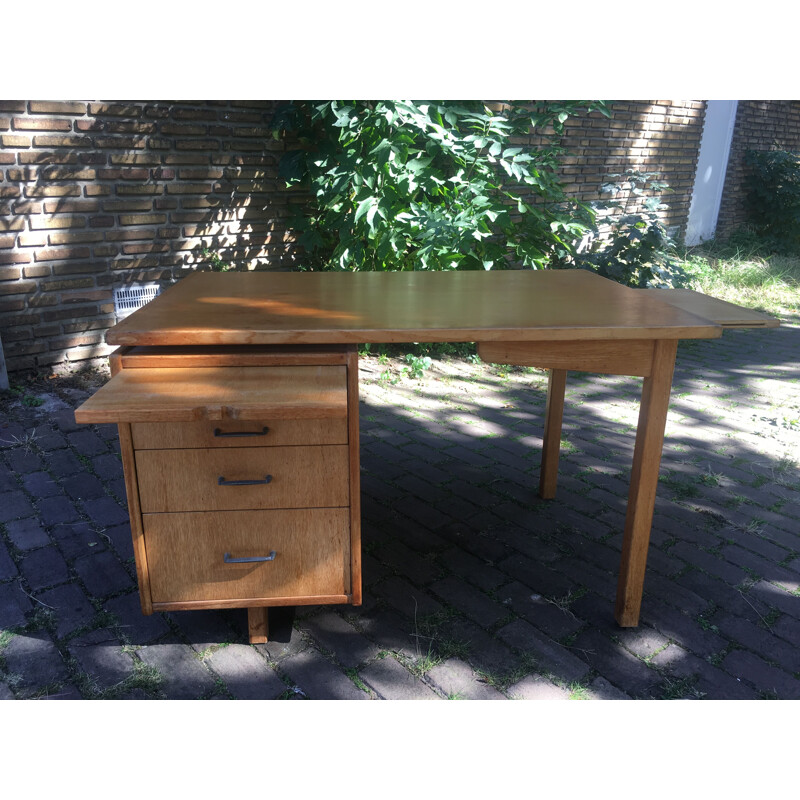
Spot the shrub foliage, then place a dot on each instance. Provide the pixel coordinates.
(400, 185)
(773, 195)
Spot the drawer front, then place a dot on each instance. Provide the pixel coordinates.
(243, 478)
(234, 433)
(186, 554)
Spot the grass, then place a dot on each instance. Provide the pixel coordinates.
(745, 272)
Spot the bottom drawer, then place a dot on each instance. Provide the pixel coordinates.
(186, 554)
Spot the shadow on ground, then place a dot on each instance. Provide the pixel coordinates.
(473, 587)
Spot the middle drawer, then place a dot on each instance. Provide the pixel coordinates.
(243, 478)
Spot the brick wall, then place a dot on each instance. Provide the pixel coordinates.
(95, 195)
(760, 125)
(661, 136)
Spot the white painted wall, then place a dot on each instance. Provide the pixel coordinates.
(715, 147)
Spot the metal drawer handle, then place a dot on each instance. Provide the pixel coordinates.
(222, 482)
(221, 434)
(228, 560)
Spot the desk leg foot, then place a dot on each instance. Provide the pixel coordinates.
(551, 445)
(644, 482)
(258, 625)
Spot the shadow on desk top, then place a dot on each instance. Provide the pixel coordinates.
(334, 308)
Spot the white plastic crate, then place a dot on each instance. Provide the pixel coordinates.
(129, 298)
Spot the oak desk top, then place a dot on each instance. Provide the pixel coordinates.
(271, 308)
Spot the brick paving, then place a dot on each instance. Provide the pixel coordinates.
(473, 587)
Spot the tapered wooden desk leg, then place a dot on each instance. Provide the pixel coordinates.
(644, 482)
(258, 625)
(554, 412)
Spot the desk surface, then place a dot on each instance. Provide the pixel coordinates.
(310, 308)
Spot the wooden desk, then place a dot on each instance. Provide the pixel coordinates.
(240, 347)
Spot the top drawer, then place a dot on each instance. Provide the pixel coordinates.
(234, 433)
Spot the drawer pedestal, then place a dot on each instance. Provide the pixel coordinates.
(242, 473)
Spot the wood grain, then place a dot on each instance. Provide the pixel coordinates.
(354, 455)
(726, 314)
(644, 483)
(239, 356)
(187, 480)
(249, 308)
(258, 625)
(135, 516)
(551, 444)
(280, 432)
(185, 552)
(628, 357)
(217, 393)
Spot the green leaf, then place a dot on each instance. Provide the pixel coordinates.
(363, 207)
(417, 165)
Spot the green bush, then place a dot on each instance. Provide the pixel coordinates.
(773, 195)
(401, 185)
(631, 245)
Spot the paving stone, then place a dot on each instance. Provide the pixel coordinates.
(386, 628)
(392, 681)
(542, 612)
(207, 628)
(246, 674)
(137, 628)
(319, 679)
(23, 461)
(484, 652)
(706, 680)
(8, 480)
(121, 540)
(27, 534)
(44, 567)
(680, 627)
(70, 606)
(183, 676)
(34, 661)
(775, 597)
(601, 689)
(469, 601)
(57, 511)
(65, 420)
(458, 680)
(759, 639)
(87, 443)
(100, 655)
(765, 677)
(481, 574)
(535, 687)
(14, 605)
(105, 511)
(340, 638)
(550, 655)
(83, 486)
(276, 651)
(642, 641)
(50, 440)
(407, 599)
(76, 539)
(14, 505)
(788, 629)
(64, 463)
(108, 465)
(8, 569)
(64, 693)
(102, 574)
(40, 484)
